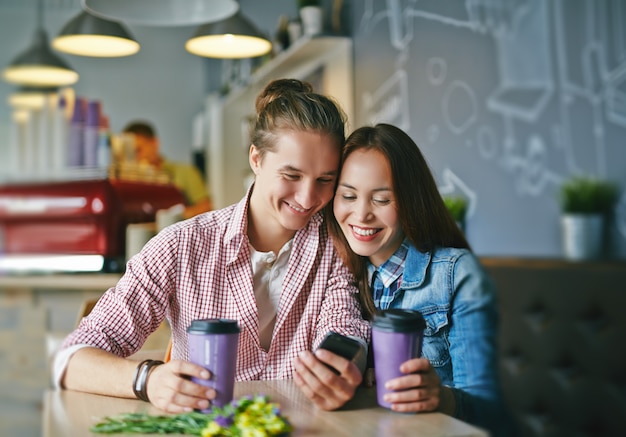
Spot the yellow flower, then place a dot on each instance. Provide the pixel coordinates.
(251, 432)
(212, 430)
(244, 419)
(275, 426)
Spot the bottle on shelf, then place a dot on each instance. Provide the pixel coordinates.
(76, 135)
(44, 132)
(104, 143)
(92, 134)
(60, 128)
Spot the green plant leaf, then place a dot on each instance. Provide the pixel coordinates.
(248, 415)
(457, 206)
(585, 195)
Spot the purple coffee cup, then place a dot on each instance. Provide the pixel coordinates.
(213, 345)
(397, 336)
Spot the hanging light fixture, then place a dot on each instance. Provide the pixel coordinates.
(29, 97)
(88, 35)
(38, 65)
(162, 12)
(233, 38)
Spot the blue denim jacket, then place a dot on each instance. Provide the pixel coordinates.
(457, 298)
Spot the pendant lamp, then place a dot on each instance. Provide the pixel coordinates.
(29, 97)
(162, 12)
(233, 38)
(38, 65)
(88, 35)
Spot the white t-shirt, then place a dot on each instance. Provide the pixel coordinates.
(268, 272)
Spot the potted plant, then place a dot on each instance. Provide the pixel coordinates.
(585, 204)
(457, 206)
(311, 16)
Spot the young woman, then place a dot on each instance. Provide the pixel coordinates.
(267, 262)
(394, 231)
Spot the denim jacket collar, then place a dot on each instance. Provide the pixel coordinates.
(415, 268)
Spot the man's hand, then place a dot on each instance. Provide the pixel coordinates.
(321, 385)
(170, 387)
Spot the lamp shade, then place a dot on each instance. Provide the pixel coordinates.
(88, 35)
(39, 66)
(30, 98)
(162, 12)
(233, 38)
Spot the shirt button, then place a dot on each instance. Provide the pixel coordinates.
(270, 259)
(269, 369)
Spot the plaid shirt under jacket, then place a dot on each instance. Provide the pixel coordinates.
(200, 268)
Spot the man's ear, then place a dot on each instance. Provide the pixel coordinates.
(254, 157)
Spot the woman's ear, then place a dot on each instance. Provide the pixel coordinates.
(254, 157)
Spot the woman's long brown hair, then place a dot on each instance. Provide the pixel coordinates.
(425, 220)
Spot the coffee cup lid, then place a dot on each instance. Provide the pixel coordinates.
(213, 326)
(397, 320)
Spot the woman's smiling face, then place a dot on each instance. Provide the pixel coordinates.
(365, 206)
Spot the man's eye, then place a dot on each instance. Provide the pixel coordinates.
(291, 177)
(326, 180)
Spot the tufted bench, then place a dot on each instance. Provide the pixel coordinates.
(563, 345)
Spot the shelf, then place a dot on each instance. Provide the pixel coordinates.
(305, 52)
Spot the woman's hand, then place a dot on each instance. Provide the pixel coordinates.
(170, 387)
(321, 385)
(419, 390)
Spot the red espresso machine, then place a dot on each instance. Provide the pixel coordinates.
(75, 226)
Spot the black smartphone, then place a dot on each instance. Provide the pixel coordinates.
(341, 345)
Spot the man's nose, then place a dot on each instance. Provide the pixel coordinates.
(306, 195)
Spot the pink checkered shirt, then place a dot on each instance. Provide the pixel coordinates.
(200, 268)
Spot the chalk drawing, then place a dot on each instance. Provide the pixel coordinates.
(453, 185)
(561, 84)
(459, 107)
(390, 102)
(487, 142)
(437, 69)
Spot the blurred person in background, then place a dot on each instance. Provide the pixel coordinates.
(186, 177)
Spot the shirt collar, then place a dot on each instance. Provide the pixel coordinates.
(392, 269)
(237, 228)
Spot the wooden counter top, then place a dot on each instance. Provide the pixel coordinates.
(68, 413)
(77, 281)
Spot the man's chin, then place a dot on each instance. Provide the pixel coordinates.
(295, 223)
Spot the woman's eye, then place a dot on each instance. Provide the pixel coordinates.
(381, 201)
(348, 197)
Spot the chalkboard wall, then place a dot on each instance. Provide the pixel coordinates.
(506, 100)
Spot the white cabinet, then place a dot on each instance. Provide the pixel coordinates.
(325, 61)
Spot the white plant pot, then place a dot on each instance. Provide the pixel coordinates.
(311, 17)
(582, 236)
(295, 31)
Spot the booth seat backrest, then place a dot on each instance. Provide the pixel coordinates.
(563, 345)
